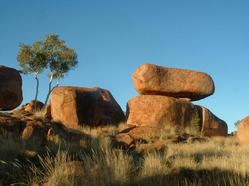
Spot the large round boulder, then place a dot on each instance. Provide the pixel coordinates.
(10, 88)
(161, 111)
(151, 79)
(75, 106)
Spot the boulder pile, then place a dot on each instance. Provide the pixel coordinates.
(165, 101)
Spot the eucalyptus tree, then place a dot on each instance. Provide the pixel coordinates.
(51, 54)
(60, 59)
(32, 60)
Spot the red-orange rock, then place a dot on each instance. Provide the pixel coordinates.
(212, 125)
(10, 88)
(243, 131)
(161, 111)
(75, 106)
(151, 79)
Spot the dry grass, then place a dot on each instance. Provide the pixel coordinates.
(39, 114)
(219, 161)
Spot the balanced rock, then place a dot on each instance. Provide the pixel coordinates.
(243, 131)
(161, 111)
(75, 106)
(151, 79)
(10, 88)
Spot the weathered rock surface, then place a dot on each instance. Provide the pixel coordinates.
(75, 106)
(151, 79)
(243, 131)
(10, 88)
(212, 125)
(161, 111)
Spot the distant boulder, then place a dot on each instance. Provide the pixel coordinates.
(151, 79)
(10, 88)
(243, 131)
(75, 106)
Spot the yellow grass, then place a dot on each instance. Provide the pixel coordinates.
(219, 161)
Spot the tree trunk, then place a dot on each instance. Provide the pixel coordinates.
(37, 86)
(49, 89)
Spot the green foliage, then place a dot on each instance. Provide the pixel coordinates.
(60, 58)
(31, 58)
(50, 53)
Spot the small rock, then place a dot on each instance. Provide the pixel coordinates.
(33, 106)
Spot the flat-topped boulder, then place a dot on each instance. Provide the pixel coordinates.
(77, 106)
(151, 79)
(10, 88)
(161, 111)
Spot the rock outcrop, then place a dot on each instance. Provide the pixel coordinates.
(243, 131)
(156, 80)
(76, 106)
(165, 100)
(38, 132)
(10, 88)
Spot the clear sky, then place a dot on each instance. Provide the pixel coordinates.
(113, 37)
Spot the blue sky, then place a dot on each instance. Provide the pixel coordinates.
(113, 37)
